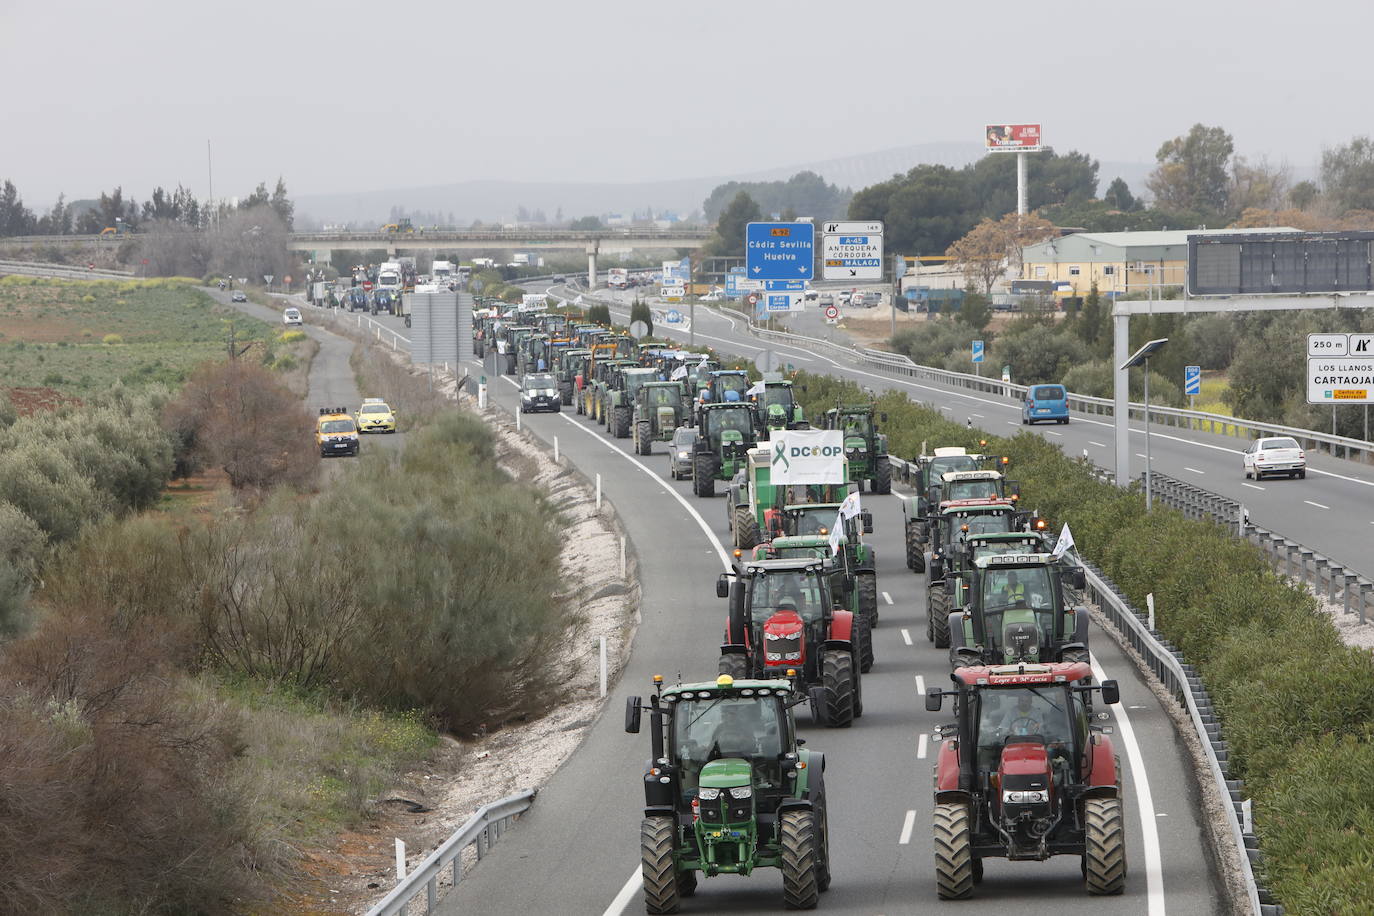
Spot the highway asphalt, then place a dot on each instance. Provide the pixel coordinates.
(577, 850)
(1331, 512)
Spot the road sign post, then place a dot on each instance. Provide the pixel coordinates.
(780, 251)
(1192, 383)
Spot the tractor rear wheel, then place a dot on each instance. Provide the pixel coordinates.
(657, 866)
(915, 550)
(882, 475)
(953, 852)
(863, 643)
(746, 528)
(938, 603)
(868, 597)
(703, 484)
(837, 674)
(644, 443)
(798, 836)
(620, 420)
(1104, 860)
(735, 665)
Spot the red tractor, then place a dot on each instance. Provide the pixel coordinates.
(1023, 774)
(784, 623)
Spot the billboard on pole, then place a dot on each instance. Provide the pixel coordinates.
(1013, 138)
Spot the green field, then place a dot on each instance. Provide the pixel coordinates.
(82, 336)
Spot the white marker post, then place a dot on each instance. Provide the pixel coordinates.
(400, 859)
(598, 492)
(1150, 604)
(555, 449)
(603, 667)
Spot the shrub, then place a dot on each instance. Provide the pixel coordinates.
(112, 340)
(291, 336)
(21, 545)
(1096, 379)
(42, 482)
(236, 416)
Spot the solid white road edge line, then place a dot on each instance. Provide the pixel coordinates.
(1140, 782)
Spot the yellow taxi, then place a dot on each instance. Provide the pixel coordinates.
(375, 417)
(336, 433)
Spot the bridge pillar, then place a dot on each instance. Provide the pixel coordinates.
(391, 252)
(591, 264)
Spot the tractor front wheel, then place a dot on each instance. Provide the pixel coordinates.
(657, 865)
(735, 665)
(938, 604)
(686, 883)
(800, 890)
(703, 484)
(868, 597)
(837, 675)
(1104, 860)
(746, 528)
(882, 476)
(644, 443)
(953, 852)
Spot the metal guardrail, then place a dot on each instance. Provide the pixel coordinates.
(506, 235)
(62, 271)
(482, 831)
(1324, 575)
(1185, 685)
(1217, 424)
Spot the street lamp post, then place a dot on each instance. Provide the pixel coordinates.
(1141, 357)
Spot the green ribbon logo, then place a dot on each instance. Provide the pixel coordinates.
(780, 454)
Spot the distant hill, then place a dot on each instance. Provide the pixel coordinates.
(497, 201)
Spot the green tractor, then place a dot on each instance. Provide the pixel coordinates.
(1011, 607)
(603, 373)
(776, 404)
(728, 790)
(954, 522)
(930, 485)
(726, 434)
(565, 365)
(857, 559)
(659, 411)
(864, 446)
(622, 387)
(754, 504)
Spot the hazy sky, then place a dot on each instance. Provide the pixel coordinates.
(343, 95)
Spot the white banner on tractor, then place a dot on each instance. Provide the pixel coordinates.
(807, 456)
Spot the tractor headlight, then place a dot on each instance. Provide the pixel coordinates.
(1028, 797)
(742, 792)
(708, 794)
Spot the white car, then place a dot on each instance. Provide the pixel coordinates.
(292, 316)
(714, 295)
(1274, 455)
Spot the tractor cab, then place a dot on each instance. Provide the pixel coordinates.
(775, 402)
(1010, 607)
(980, 484)
(729, 789)
(957, 520)
(625, 347)
(1024, 773)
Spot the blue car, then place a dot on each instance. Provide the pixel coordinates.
(1045, 402)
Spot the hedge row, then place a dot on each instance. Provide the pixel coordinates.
(1297, 705)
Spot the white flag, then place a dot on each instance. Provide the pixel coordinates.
(679, 372)
(837, 532)
(577, 301)
(850, 507)
(1065, 542)
(756, 388)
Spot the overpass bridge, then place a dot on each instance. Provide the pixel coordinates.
(318, 245)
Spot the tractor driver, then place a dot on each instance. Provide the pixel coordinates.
(741, 732)
(1010, 592)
